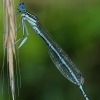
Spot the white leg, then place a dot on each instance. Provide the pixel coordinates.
(25, 38)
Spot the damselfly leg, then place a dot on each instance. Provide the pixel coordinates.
(23, 38)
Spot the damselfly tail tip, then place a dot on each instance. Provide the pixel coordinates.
(83, 92)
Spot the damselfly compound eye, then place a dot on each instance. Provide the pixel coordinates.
(21, 7)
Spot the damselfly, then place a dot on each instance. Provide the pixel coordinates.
(58, 56)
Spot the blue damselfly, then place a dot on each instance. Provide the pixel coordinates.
(58, 56)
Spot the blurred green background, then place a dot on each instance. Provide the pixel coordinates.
(75, 25)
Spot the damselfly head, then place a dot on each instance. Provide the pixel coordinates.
(21, 7)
